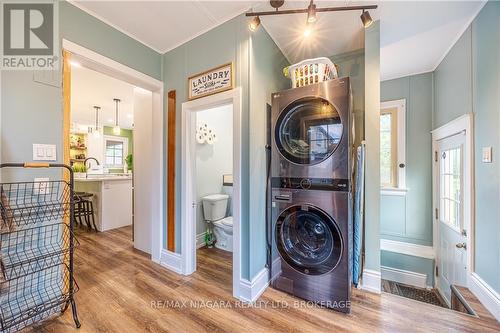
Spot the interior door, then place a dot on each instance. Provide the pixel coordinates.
(452, 250)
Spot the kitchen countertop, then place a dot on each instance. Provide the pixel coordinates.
(100, 178)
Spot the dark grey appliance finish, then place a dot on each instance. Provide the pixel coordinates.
(311, 251)
(312, 131)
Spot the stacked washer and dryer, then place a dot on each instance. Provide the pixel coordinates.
(311, 209)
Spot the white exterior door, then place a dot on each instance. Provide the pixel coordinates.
(452, 250)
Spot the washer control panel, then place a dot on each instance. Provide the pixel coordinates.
(323, 184)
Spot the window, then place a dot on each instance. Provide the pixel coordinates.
(449, 181)
(115, 151)
(392, 144)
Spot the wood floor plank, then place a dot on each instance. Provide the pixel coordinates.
(122, 290)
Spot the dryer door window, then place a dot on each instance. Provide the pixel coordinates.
(308, 240)
(308, 131)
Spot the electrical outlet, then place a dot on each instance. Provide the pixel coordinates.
(41, 186)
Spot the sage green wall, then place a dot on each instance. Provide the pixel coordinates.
(265, 76)
(409, 218)
(352, 64)
(468, 80)
(372, 136)
(409, 263)
(258, 65)
(36, 108)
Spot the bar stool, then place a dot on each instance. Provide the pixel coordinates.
(84, 210)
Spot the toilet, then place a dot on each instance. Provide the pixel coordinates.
(214, 211)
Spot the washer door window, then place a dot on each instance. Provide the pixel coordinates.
(308, 131)
(308, 240)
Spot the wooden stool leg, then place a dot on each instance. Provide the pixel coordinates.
(86, 214)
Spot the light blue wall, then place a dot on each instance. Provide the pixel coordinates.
(352, 64)
(409, 218)
(409, 263)
(258, 70)
(32, 111)
(468, 80)
(453, 83)
(266, 76)
(372, 136)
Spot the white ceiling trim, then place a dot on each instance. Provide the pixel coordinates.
(460, 33)
(100, 18)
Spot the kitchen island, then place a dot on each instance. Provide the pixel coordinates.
(112, 198)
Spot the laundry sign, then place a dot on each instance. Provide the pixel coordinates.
(211, 82)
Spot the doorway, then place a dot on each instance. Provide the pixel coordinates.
(190, 200)
(452, 193)
(146, 96)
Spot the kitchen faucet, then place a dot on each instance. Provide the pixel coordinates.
(85, 163)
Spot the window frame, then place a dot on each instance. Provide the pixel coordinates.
(121, 139)
(398, 109)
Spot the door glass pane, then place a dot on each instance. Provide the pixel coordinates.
(308, 131)
(450, 187)
(386, 149)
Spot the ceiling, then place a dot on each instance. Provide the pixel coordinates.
(89, 88)
(415, 35)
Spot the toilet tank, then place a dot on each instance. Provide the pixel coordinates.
(215, 206)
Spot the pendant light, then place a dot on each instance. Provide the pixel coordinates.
(96, 131)
(116, 130)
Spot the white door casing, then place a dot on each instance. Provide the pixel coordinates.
(155, 193)
(188, 193)
(453, 217)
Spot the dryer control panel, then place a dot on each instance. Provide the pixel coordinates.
(322, 184)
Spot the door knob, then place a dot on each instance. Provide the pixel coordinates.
(461, 246)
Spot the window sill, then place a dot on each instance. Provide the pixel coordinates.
(393, 191)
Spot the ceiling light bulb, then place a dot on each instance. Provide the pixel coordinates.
(308, 30)
(311, 13)
(366, 19)
(254, 23)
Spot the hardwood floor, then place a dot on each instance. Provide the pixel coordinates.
(121, 290)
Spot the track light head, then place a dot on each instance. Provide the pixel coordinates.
(254, 23)
(311, 13)
(366, 19)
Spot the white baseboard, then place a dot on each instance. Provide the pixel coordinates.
(200, 240)
(371, 281)
(171, 261)
(250, 291)
(486, 295)
(406, 277)
(410, 249)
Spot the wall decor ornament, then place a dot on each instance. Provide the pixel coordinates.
(205, 134)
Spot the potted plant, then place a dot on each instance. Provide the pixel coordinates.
(129, 160)
(79, 169)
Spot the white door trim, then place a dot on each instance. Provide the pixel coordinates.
(462, 124)
(95, 61)
(188, 234)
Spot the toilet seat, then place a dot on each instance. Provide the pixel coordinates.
(225, 224)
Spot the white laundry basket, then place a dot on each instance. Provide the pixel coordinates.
(311, 71)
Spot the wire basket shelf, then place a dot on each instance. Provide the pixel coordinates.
(35, 296)
(27, 203)
(34, 249)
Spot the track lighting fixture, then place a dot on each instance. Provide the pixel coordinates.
(254, 23)
(311, 13)
(366, 18)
